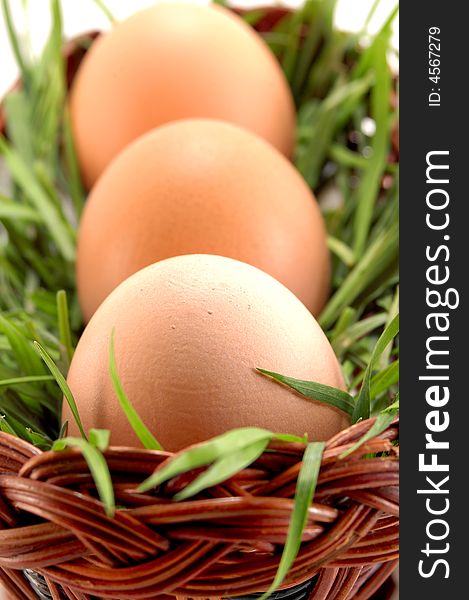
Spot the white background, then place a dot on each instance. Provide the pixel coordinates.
(84, 15)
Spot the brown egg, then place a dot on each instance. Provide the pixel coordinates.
(189, 333)
(208, 187)
(176, 61)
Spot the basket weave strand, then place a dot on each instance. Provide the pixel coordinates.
(225, 542)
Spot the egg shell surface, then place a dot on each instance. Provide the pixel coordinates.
(202, 186)
(189, 333)
(170, 62)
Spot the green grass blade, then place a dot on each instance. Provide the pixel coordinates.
(26, 379)
(356, 331)
(363, 402)
(15, 44)
(392, 312)
(253, 16)
(143, 433)
(17, 212)
(6, 427)
(206, 453)
(305, 488)
(100, 438)
(322, 126)
(370, 183)
(365, 60)
(370, 15)
(315, 391)
(97, 466)
(39, 440)
(58, 230)
(347, 317)
(385, 379)
(64, 324)
(291, 52)
(75, 184)
(380, 255)
(22, 348)
(341, 250)
(224, 468)
(18, 124)
(103, 6)
(309, 46)
(60, 379)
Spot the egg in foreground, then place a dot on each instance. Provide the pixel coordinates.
(189, 333)
(170, 62)
(208, 187)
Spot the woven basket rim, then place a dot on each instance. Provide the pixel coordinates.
(32, 483)
(233, 532)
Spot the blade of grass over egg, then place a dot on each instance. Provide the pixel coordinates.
(315, 391)
(100, 438)
(228, 465)
(224, 468)
(363, 402)
(63, 430)
(143, 433)
(97, 465)
(206, 453)
(62, 383)
(304, 494)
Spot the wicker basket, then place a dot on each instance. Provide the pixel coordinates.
(224, 543)
(56, 541)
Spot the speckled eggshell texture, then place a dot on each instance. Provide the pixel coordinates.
(176, 61)
(189, 332)
(202, 186)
